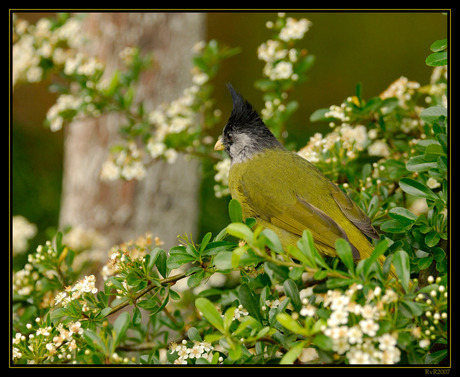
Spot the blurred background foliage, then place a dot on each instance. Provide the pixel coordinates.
(371, 48)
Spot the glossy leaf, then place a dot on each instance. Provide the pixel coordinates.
(209, 312)
(402, 266)
(345, 254)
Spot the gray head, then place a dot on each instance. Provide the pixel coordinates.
(245, 134)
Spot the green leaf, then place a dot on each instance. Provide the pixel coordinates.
(190, 249)
(345, 254)
(272, 241)
(94, 340)
(424, 263)
(291, 290)
(403, 215)
(420, 163)
(373, 206)
(288, 322)
(410, 309)
(436, 357)
(310, 243)
(323, 341)
(265, 85)
(109, 90)
(378, 251)
(120, 327)
(58, 313)
(433, 151)
(215, 247)
(416, 189)
(439, 254)
(160, 261)
(59, 245)
(133, 279)
(432, 113)
(235, 211)
(205, 241)
(236, 256)
(299, 255)
(241, 231)
(247, 321)
(393, 226)
(248, 301)
(439, 45)
(432, 238)
(223, 260)
(319, 114)
(333, 283)
(194, 335)
(177, 260)
(294, 352)
(437, 59)
(303, 253)
(195, 279)
(137, 317)
(159, 308)
(235, 351)
(209, 312)
(402, 266)
(228, 318)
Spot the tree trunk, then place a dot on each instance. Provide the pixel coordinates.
(165, 203)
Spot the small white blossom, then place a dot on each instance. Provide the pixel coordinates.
(294, 29)
(369, 327)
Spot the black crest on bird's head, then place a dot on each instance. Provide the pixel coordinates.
(245, 133)
(243, 114)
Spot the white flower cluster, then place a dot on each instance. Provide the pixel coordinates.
(35, 43)
(28, 280)
(379, 148)
(223, 168)
(23, 231)
(351, 139)
(64, 104)
(273, 106)
(24, 281)
(42, 253)
(127, 252)
(402, 89)
(199, 350)
(294, 29)
(71, 293)
(174, 117)
(44, 45)
(339, 112)
(278, 58)
(126, 164)
(359, 342)
(434, 313)
(239, 313)
(272, 52)
(48, 342)
(168, 119)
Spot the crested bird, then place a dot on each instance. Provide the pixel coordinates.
(286, 193)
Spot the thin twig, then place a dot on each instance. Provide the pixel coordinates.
(166, 281)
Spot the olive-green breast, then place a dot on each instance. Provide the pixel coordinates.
(286, 193)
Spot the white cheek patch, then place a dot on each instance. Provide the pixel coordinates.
(243, 148)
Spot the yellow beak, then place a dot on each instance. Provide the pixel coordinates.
(219, 146)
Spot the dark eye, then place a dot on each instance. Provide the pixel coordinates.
(229, 137)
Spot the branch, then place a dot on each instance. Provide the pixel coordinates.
(166, 281)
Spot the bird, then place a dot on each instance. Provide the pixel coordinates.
(285, 192)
